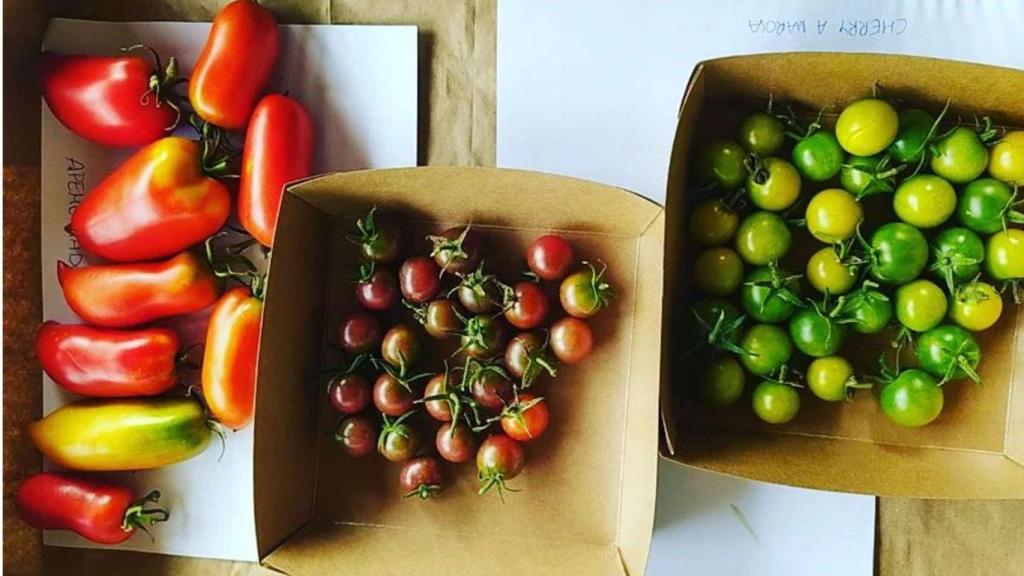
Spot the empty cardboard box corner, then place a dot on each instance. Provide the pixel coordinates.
(976, 448)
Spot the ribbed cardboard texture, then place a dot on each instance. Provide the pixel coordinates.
(586, 500)
(976, 448)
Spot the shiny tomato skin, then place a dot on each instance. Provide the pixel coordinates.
(550, 257)
(439, 409)
(920, 305)
(913, 399)
(108, 363)
(976, 306)
(525, 424)
(278, 150)
(924, 201)
(456, 443)
(379, 292)
(121, 295)
(223, 87)
(422, 477)
(529, 308)
(391, 397)
(484, 337)
(357, 435)
(399, 442)
(442, 319)
(157, 203)
(960, 156)
(1006, 160)
(106, 100)
(585, 293)
(572, 341)
(491, 390)
(712, 223)
(402, 346)
(833, 215)
(718, 271)
(230, 356)
(457, 250)
(419, 279)
(360, 332)
(499, 454)
(775, 402)
(867, 127)
(350, 394)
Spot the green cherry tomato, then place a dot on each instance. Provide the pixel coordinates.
(718, 271)
(722, 163)
(976, 306)
(912, 399)
(920, 305)
(815, 334)
(717, 322)
(763, 237)
(899, 252)
(957, 254)
(775, 402)
(767, 348)
(869, 311)
(1004, 255)
(924, 201)
(710, 310)
(949, 352)
(833, 215)
(911, 141)
(770, 294)
(762, 134)
(818, 157)
(831, 378)
(828, 274)
(1006, 161)
(960, 156)
(774, 185)
(722, 381)
(986, 205)
(860, 176)
(712, 223)
(867, 127)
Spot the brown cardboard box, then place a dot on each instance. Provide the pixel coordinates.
(586, 504)
(976, 448)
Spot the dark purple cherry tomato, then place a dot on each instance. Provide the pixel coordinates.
(357, 435)
(527, 307)
(550, 257)
(360, 332)
(420, 279)
(398, 440)
(499, 458)
(439, 408)
(392, 396)
(483, 337)
(490, 386)
(440, 318)
(478, 292)
(402, 346)
(457, 250)
(527, 357)
(456, 443)
(378, 239)
(422, 477)
(377, 288)
(349, 393)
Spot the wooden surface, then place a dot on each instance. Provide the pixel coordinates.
(457, 47)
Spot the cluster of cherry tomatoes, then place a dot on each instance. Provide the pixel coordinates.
(912, 222)
(492, 347)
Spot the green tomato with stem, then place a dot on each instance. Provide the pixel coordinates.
(818, 157)
(816, 334)
(959, 156)
(916, 128)
(770, 294)
(773, 184)
(957, 254)
(949, 352)
(987, 206)
(828, 274)
(868, 311)
(976, 306)
(831, 378)
(898, 253)
(713, 223)
(912, 399)
(766, 349)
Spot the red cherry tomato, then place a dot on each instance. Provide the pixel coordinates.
(357, 435)
(110, 101)
(108, 363)
(456, 442)
(528, 306)
(120, 295)
(525, 419)
(550, 257)
(419, 279)
(360, 332)
(349, 394)
(422, 477)
(392, 397)
(229, 360)
(235, 64)
(571, 340)
(402, 346)
(97, 510)
(499, 458)
(157, 203)
(278, 150)
(439, 408)
(377, 289)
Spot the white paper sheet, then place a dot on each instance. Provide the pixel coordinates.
(591, 88)
(359, 84)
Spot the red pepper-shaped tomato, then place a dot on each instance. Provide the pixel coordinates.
(156, 204)
(111, 101)
(109, 363)
(278, 150)
(229, 362)
(234, 65)
(98, 510)
(120, 295)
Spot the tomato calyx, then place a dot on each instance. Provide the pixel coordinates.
(423, 491)
(987, 131)
(538, 361)
(786, 376)
(515, 410)
(218, 153)
(161, 83)
(333, 375)
(478, 283)
(931, 138)
(948, 260)
(779, 286)
(601, 289)
(475, 333)
(396, 427)
(449, 249)
(720, 334)
(137, 515)
(400, 373)
(460, 404)
(881, 178)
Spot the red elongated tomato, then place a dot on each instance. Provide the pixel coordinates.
(158, 203)
(278, 150)
(235, 64)
(108, 363)
(229, 362)
(120, 295)
(100, 511)
(107, 100)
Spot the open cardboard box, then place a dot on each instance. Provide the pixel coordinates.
(586, 500)
(976, 447)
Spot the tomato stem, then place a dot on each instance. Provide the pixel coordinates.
(138, 516)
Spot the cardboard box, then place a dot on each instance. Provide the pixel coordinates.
(976, 448)
(586, 503)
